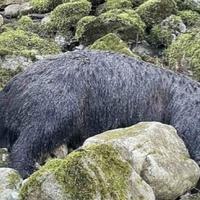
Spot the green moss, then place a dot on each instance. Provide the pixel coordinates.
(6, 75)
(42, 6)
(66, 15)
(13, 180)
(153, 12)
(189, 17)
(114, 4)
(185, 52)
(84, 174)
(19, 42)
(164, 33)
(25, 23)
(126, 23)
(112, 42)
(188, 5)
(42, 29)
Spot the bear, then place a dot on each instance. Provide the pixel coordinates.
(73, 96)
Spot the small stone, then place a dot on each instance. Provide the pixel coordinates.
(1, 20)
(12, 10)
(4, 156)
(14, 62)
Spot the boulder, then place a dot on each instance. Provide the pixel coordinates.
(12, 10)
(153, 12)
(111, 42)
(146, 161)
(167, 31)
(183, 54)
(157, 153)
(95, 172)
(126, 23)
(66, 15)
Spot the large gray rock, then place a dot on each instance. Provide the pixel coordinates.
(10, 183)
(4, 3)
(156, 153)
(12, 10)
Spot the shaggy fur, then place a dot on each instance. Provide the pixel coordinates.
(83, 93)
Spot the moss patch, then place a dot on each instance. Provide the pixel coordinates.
(20, 42)
(42, 6)
(66, 15)
(185, 52)
(126, 23)
(86, 174)
(164, 33)
(6, 75)
(13, 180)
(189, 17)
(114, 4)
(154, 11)
(112, 42)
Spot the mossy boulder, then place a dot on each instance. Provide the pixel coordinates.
(189, 4)
(138, 2)
(25, 23)
(189, 17)
(112, 42)
(153, 12)
(43, 6)
(114, 4)
(126, 23)
(184, 53)
(6, 75)
(65, 16)
(20, 42)
(163, 34)
(95, 172)
(157, 153)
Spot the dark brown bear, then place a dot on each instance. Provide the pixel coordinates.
(83, 93)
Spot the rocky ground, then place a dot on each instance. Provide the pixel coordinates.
(163, 32)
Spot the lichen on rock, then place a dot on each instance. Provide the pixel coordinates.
(126, 23)
(112, 42)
